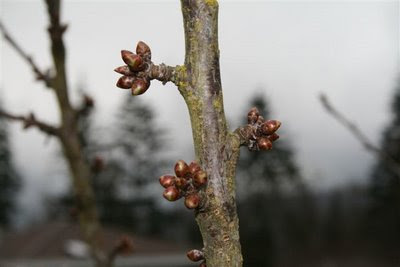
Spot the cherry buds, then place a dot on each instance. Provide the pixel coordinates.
(262, 131)
(196, 255)
(134, 75)
(187, 182)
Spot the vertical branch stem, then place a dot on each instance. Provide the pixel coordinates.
(215, 148)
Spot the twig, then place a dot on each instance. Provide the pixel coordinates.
(393, 164)
(40, 75)
(30, 120)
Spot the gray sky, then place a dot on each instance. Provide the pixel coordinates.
(290, 50)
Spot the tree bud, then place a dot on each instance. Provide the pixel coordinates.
(171, 193)
(140, 86)
(181, 168)
(200, 178)
(194, 167)
(134, 62)
(124, 70)
(125, 82)
(264, 143)
(252, 116)
(125, 245)
(192, 201)
(167, 180)
(203, 264)
(143, 50)
(270, 126)
(181, 183)
(273, 137)
(97, 164)
(195, 255)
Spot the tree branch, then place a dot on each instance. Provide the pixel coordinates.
(30, 120)
(393, 164)
(40, 75)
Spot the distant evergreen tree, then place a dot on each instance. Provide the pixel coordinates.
(385, 183)
(130, 151)
(9, 179)
(274, 207)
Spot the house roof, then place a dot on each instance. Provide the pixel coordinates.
(48, 240)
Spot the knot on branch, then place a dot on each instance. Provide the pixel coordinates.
(140, 70)
(187, 183)
(258, 134)
(197, 255)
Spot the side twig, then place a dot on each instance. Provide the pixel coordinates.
(30, 120)
(40, 75)
(393, 164)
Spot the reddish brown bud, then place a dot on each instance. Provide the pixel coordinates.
(194, 167)
(167, 180)
(143, 50)
(264, 143)
(140, 86)
(195, 255)
(171, 193)
(125, 245)
(192, 201)
(252, 116)
(270, 126)
(181, 168)
(97, 164)
(273, 137)
(124, 70)
(89, 102)
(181, 183)
(125, 82)
(134, 62)
(200, 178)
(203, 264)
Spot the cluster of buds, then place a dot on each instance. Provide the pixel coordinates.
(197, 255)
(134, 72)
(262, 131)
(187, 182)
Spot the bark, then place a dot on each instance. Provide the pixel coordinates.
(216, 149)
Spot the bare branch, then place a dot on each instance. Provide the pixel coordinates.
(393, 164)
(40, 75)
(30, 120)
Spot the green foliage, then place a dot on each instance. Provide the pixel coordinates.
(9, 179)
(385, 184)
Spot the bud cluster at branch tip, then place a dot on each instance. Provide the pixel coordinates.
(262, 132)
(188, 181)
(134, 72)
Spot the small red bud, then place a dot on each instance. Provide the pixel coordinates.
(171, 193)
(181, 168)
(270, 126)
(264, 143)
(194, 167)
(195, 255)
(273, 137)
(97, 164)
(140, 86)
(167, 180)
(181, 183)
(125, 245)
(125, 82)
(134, 62)
(200, 178)
(89, 102)
(203, 264)
(124, 70)
(192, 201)
(143, 50)
(252, 116)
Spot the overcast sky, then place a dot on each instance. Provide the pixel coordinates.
(290, 50)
